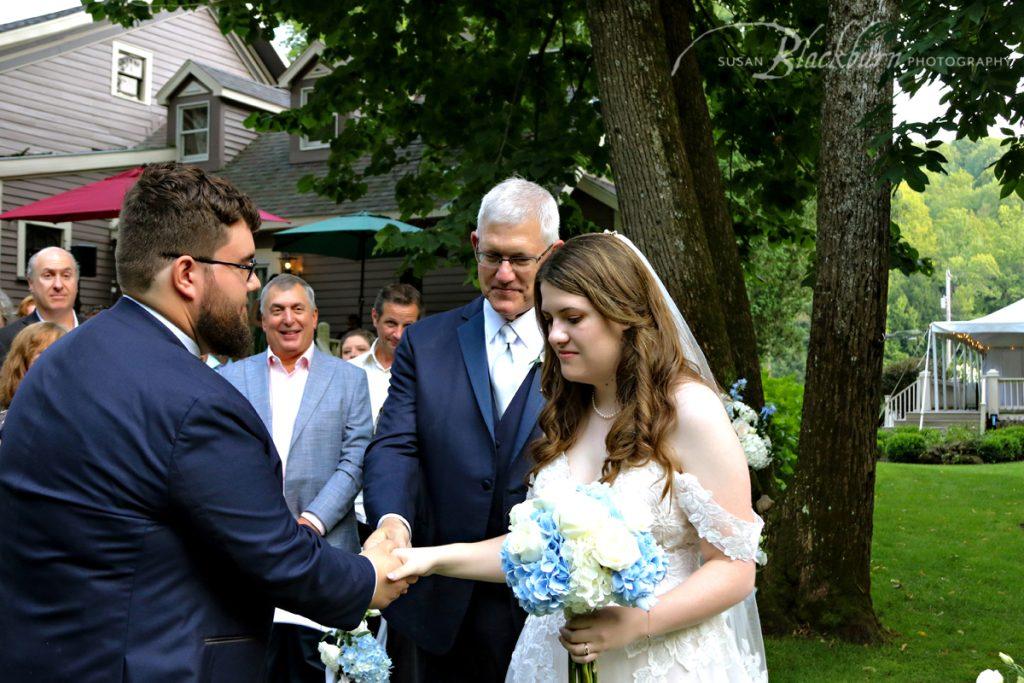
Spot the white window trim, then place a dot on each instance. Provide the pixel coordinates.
(178, 131)
(305, 144)
(65, 240)
(147, 74)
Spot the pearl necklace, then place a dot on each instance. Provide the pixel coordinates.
(593, 402)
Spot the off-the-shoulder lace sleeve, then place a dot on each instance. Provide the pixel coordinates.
(735, 537)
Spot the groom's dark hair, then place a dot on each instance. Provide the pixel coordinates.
(175, 209)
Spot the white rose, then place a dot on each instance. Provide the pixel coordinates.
(1007, 659)
(989, 676)
(526, 541)
(580, 515)
(522, 513)
(615, 547)
(329, 655)
(362, 629)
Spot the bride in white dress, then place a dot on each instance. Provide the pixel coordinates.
(631, 402)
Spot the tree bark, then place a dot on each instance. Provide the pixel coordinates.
(657, 199)
(698, 137)
(818, 575)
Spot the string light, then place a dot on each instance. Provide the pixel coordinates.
(969, 341)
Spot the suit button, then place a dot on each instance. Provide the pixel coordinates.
(487, 484)
(497, 445)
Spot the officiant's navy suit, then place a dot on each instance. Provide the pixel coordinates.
(143, 534)
(447, 462)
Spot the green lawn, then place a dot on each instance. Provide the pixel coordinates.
(947, 580)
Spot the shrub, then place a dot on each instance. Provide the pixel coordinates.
(787, 394)
(958, 445)
(1002, 445)
(906, 445)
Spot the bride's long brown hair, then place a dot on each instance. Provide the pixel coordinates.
(603, 269)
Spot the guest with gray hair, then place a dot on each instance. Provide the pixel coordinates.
(451, 469)
(52, 275)
(317, 409)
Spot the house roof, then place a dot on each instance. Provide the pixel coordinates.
(32, 21)
(243, 85)
(228, 86)
(263, 171)
(312, 51)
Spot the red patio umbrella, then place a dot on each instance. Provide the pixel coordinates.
(101, 199)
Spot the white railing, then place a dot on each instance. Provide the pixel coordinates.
(898, 405)
(1011, 393)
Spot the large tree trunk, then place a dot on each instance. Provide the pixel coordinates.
(652, 175)
(819, 569)
(698, 137)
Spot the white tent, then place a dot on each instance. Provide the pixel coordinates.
(973, 347)
(999, 336)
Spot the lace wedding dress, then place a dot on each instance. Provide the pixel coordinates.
(724, 648)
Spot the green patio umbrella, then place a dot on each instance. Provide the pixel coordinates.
(352, 237)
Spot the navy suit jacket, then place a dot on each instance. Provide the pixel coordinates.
(435, 452)
(143, 533)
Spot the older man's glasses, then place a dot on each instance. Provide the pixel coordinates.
(489, 259)
(249, 267)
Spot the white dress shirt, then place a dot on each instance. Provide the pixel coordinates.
(526, 349)
(377, 376)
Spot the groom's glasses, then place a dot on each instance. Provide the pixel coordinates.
(249, 267)
(489, 259)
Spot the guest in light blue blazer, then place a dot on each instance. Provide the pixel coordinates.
(317, 408)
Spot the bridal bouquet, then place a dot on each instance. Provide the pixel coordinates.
(355, 656)
(578, 548)
(750, 426)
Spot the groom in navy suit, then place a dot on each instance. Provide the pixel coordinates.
(450, 458)
(143, 533)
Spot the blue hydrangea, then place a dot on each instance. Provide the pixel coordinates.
(768, 411)
(736, 391)
(540, 586)
(364, 660)
(634, 586)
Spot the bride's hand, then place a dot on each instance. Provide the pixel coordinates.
(588, 635)
(415, 562)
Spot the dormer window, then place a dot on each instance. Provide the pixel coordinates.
(305, 143)
(130, 73)
(193, 127)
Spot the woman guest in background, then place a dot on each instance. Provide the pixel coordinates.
(25, 349)
(27, 305)
(355, 343)
(632, 402)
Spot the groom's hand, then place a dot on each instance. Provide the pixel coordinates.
(391, 529)
(384, 562)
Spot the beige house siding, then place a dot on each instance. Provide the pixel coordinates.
(236, 135)
(63, 103)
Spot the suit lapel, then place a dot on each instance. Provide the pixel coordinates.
(474, 354)
(534, 404)
(257, 378)
(316, 385)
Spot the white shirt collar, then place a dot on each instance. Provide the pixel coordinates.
(369, 358)
(39, 314)
(188, 341)
(525, 327)
(272, 357)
